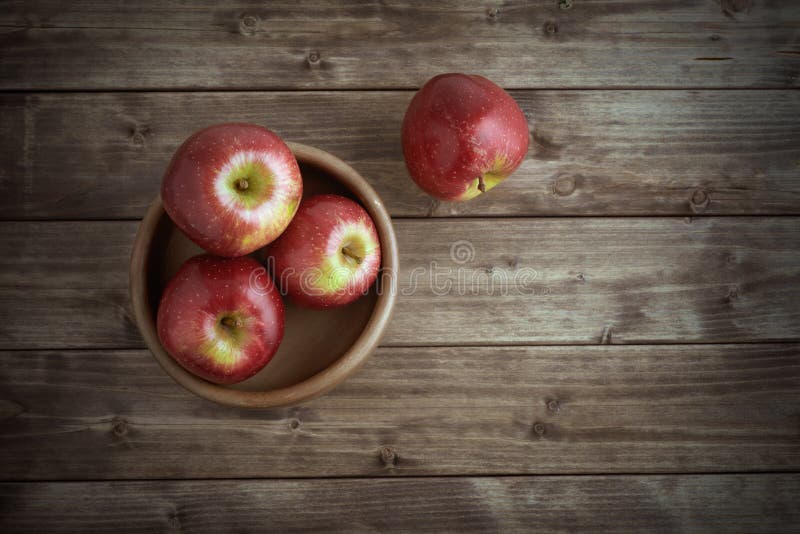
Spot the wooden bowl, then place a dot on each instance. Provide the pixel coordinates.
(320, 348)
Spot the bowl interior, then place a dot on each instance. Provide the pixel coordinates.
(313, 339)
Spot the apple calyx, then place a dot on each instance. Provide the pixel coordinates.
(242, 184)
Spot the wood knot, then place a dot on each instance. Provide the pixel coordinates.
(174, 519)
(139, 134)
(553, 406)
(248, 25)
(512, 262)
(605, 337)
(294, 424)
(492, 13)
(543, 146)
(715, 37)
(388, 456)
(119, 427)
(314, 59)
(564, 4)
(736, 6)
(699, 200)
(433, 205)
(564, 185)
(581, 277)
(538, 429)
(733, 293)
(550, 28)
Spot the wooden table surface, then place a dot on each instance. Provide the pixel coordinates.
(647, 379)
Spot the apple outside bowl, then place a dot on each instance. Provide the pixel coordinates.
(320, 348)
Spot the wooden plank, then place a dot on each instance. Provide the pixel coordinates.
(592, 152)
(414, 411)
(718, 503)
(322, 44)
(466, 282)
(512, 281)
(64, 284)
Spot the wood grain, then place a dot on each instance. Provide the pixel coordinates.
(324, 44)
(64, 284)
(101, 156)
(635, 108)
(719, 503)
(466, 282)
(623, 280)
(414, 411)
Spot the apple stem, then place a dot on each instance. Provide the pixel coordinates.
(350, 254)
(230, 322)
(242, 184)
(481, 184)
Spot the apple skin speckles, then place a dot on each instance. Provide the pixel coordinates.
(455, 131)
(217, 324)
(232, 188)
(330, 254)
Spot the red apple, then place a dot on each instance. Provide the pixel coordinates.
(221, 318)
(330, 254)
(232, 188)
(462, 135)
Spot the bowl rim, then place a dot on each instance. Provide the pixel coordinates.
(324, 380)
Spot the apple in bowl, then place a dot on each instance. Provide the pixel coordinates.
(319, 348)
(216, 322)
(462, 135)
(232, 188)
(329, 255)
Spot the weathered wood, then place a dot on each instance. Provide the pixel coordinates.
(598, 281)
(718, 503)
(322, 44)
(65, 255)
(592, 152)
(466, 282)
(413, 411)
(471, 406)
(64, 284)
